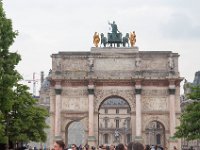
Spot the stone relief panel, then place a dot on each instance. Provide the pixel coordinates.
(110, 64)
(102, 94)
(70, 64)
(75, 104)
(154, 64)
(75, 99)
(75, 65)
(155, 100)
(154, 104)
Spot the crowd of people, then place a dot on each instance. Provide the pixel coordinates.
(59, 145)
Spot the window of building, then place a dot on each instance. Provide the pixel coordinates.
(128, 138)
(158, 139)
(117, 123)
(117, 111)
(128, 123)
(128, 110)
(106, 138)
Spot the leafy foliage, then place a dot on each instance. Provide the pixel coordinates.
(28, 121)
(195, 93)
(190, 119)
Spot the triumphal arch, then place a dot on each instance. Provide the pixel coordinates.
(118, 93)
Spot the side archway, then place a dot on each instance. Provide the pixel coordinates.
(75, 133)
(155, 134)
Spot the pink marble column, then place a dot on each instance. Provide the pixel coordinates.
(58, 103)
(52, 121)
(172, 112)
(172, 115)
(138, 90)
(91, 136)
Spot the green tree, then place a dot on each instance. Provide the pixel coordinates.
(27, 122)
(8, 75)
(20, 118)
(190, 119)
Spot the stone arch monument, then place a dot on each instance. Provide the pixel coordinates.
(86, 79)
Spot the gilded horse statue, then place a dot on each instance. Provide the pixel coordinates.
(96, 39)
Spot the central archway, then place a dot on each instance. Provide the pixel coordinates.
(114, 121)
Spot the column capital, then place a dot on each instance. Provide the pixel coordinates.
(90, 91)
(172, 91)
(58, 91)
(138, 90)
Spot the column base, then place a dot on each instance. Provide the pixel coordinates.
(58, 138)
(138, 139)
(91, 141)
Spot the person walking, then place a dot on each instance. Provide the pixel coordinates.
(59, 145)
(120, 146)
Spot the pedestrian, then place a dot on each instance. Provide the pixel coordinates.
(59, 145)
(120, 146)
(147, 147)
(74, 147)
(87, 146)
(191, 148)
(175, 148)
(93, 148)
(135, 146)
(112, 147)
(107, 147)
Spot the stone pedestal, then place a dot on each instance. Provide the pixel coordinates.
(114, 50)
(58, 103)
(91, 137)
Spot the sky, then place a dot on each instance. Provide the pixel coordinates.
(49, 26)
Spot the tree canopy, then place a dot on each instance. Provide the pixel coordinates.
(190, 119)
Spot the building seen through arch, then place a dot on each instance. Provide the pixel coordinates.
(114, 119)
(75, 134)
